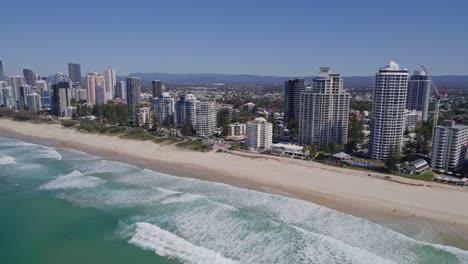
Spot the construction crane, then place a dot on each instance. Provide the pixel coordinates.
(437, 105)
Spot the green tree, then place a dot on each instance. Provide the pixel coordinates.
(351, 146)
(355, 130)
(331, 148)
(187, 127)
(312, 151)
(223, 122)
(423, 137)
(393, 159)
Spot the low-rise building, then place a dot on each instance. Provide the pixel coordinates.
(290, 150)
(417, 166)
(237, 129)
(412, 119)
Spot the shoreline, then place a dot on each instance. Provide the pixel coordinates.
(345, 190)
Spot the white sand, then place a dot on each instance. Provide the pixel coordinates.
(346, 190)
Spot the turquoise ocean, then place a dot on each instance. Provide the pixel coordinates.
(65, 206)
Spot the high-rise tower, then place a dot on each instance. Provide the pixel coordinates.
(388, 107)
(29, 76)
(74, 72)
(324, 110)
(292, 97)
(419, 91)
(133, 91)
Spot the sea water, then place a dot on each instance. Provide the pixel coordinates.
(65, 206)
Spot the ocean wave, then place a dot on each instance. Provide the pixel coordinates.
(106, 166)
(73, 180)
(118, 197)
(353, 231)
(164, 243)
(5, 160)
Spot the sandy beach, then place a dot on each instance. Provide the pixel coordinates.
(349, 191)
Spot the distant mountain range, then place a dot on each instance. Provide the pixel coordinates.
(452, 81)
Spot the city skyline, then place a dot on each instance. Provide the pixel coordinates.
(237, 38)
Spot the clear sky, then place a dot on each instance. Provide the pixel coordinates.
(282, 38)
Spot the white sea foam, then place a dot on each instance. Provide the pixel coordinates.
(164, 243)
(351, 231)
(5, 160)
(106, 166)
(74, 180)
(182, 198)
(118, 197)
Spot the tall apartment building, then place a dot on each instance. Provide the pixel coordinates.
(324, 111)
(141, 116)
(100, 89)
(74, 72)
(292, 97)
(111, 80)
(157, 88)
(186, 110)
(449, 146)
(120, 90)
(419, 91)
(133, 91)
(60, 98)
(34, 102)
(29, 76)
(259, 134)
(6, 99)
(164, 107)
(16, 82)
(205, 118)
(91, 87)
(388, 107)
(2, 74)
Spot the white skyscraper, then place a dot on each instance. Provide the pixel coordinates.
(388, 107)
(449, 146)
(259, 134)
(205, 112)
(16, 82)
(324, 110)
(111, 80)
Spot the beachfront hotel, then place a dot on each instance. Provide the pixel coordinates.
(324, 111)
(449, 146)
(388, 107)
(259, 134)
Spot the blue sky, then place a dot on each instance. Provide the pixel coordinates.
(282, 38)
